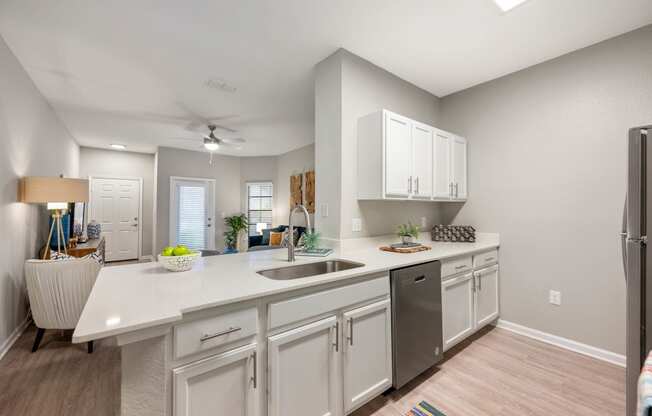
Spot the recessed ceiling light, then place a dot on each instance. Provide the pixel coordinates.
(507, 5)
(119, 146)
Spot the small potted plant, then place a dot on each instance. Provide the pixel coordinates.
(235, 225)
(408, 233)
(310, 240)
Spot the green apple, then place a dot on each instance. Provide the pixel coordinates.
(167, 251)
(180, 250)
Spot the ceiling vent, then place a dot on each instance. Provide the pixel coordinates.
(220, 84)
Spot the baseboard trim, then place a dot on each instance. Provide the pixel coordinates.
(6, 346)
(148, 257)
(565, 343)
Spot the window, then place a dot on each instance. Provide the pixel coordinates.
(259, 205)
(191, 220)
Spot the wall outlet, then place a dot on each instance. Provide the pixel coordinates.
(555, 297)
(424, 222)
(324, 210)
(356, 225)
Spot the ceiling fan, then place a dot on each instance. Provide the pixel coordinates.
(212, 142)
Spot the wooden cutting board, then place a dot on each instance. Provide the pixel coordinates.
(406, 250)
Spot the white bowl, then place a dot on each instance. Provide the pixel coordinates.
(179, 263)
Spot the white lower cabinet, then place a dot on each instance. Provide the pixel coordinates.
(367, 353)
(458, 309)
(486, 296)
(303, 370)
(224, 384)
(469, 302)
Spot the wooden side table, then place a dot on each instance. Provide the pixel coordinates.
(82, 249)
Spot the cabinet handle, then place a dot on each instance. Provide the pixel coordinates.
(410, 184)
(450, 189)
(254, 378)
(206, 337)
(488, 258)
(456, 190)
(350, 331)
(460, 267)
(473, 279)
(337, 336)
(417, 184)
(480, 282)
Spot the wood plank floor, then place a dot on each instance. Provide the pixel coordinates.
(500, 373)
(495, 373)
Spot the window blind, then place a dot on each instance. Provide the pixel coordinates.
(259, 203)
(191, 220)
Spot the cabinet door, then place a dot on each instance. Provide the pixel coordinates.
(486, 296)
(221, 385)
(459, 168)
(458, 312)
(367, 353)
(302, 370)
(442, 165)
(398, 155)
(422, 141)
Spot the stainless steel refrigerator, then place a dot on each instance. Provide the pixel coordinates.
(638, 276)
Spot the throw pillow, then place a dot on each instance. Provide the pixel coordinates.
(58, 256)
(265, 240)
(275, 238)
(286, 233)
(95, 256)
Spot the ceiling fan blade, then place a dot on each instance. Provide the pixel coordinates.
(183, 138)
(234, 140)
(225, 128)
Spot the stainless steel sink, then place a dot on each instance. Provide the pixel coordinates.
(309, 269)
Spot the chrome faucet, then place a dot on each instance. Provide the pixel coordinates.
(291, 231)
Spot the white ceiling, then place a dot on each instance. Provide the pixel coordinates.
(134, 72)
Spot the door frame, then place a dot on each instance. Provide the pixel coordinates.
(140, 203)
(173, 210)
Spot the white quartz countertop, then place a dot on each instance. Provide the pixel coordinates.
(134, 297)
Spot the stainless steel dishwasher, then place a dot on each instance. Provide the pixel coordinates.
(416, 320)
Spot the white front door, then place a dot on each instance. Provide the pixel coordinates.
(192, 208)
(115, 204)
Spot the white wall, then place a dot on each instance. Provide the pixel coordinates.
(95, 162)
(33, 142)
(346, 88)
(291, 163)
(547, 169)
(176, 162)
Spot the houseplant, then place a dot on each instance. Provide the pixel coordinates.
(235, 225)
(310, 240)
(408, 232)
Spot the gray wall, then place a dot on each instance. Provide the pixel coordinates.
(34, 143)
(346, 88)
(176, 162)
(547, 169)
(96, 162)
(291, 163)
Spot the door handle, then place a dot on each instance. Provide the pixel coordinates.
(350, 337)
(254, 378)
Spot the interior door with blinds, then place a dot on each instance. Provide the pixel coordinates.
(192, 210)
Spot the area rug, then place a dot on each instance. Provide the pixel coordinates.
(424, 409)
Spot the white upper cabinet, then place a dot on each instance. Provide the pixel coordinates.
(442, 165)
(400, 158)
(398, 155)
(422, 140)
(458, 169)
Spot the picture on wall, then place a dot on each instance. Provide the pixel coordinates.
(296, 190)
(309, 195)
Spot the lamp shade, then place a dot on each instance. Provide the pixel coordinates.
(41, 190)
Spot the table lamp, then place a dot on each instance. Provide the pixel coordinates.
(57, 193)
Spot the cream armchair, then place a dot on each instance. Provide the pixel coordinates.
(58, 290)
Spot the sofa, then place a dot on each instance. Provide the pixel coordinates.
(261, 242)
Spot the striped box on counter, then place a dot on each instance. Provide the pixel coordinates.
(453, 233)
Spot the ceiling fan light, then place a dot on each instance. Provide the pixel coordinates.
(211, 146)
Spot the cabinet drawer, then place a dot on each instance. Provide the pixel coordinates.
(485, 259)
(455, 266)
(207, 333)
(316, 304)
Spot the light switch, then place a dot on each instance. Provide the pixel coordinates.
(324, 210)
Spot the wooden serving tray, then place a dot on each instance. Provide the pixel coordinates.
(406, 250)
